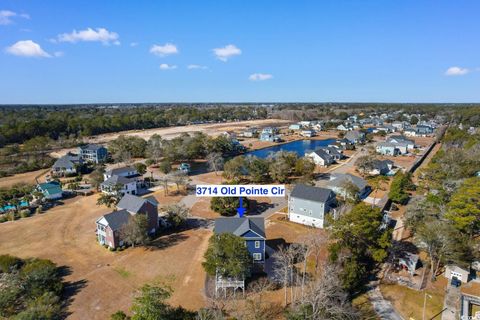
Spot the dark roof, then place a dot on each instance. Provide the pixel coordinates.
(117, 219)
(114, 180)
(323, 154)
(400, 139)
(121, 170)
(316, 194)
(133, 203)
(239, 226)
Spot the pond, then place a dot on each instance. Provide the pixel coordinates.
(299, 147)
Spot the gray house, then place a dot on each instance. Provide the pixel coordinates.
(355, 136)
(339, 182)
(66, 165)
(93, 153)
(308, 205)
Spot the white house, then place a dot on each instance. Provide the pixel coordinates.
(308, 205)
(320, 157)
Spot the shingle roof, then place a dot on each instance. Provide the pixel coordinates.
(114, 180)
(117, 219)
(121, 170)
(133, 203)
(67, 161)
(323, 154)
(239, 226)
(340, 179)
(50, 188)
(316, 194)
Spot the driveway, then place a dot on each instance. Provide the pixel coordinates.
(382, 307)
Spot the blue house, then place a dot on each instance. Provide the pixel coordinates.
(251, 229)
(93, 153)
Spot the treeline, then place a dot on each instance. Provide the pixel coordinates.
(23, 123)
(445, 215)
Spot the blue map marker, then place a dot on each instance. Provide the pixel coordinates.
(241, 209)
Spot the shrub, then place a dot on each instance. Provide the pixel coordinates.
(12, 216)
(8, 263)
(3, 218)
(25, 213)
(38, 210)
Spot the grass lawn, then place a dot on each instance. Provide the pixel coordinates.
(409, 303)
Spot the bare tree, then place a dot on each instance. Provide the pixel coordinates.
(256, 307)
(284, 268)
(164, 181)
(136, 230)
(215, 162)
(326, 299)
(312, 244)
(180, 179)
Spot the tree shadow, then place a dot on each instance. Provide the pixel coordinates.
(70, 289)
(275, 244)
(166, 241)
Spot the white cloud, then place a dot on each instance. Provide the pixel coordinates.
(58, 54)
(227, 52)
(98, 35)
(456, 71)
(7, 15)
(27, 48)
(164, 50)
(165, 66)
(260, 76)
(133, 44)
(196, 67)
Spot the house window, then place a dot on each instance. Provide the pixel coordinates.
(257, 256)
(257, 244)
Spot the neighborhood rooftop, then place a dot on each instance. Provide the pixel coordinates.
(239, 226)
(133, 203)
(311, 193)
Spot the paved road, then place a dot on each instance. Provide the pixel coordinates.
(382, 307)
(451, 303)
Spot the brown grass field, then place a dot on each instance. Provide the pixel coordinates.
(102, 282)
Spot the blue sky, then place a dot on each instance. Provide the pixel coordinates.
(291, 51)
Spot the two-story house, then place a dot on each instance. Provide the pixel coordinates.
(110, 225)
(93, 153)
(309, 205)
(251, 229)
(355, 136)
(66, 165)
(340, 184)
(124, 180)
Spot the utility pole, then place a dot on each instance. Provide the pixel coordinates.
(425, 302)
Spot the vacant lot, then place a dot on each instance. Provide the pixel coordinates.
(27, 177)
(102, 282)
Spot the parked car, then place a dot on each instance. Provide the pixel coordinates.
(455, 282)
(184, 167)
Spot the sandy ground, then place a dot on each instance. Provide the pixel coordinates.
(102, 282)
(210, 129)
(27, 177)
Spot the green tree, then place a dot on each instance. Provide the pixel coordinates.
(165, 166)
(140, 167)
(401, 184)
(464, 207)
(359, 243)
(119, 315)
(227, 206)
(235, 168)
(228, 255)
(177, 214)
(108, 199)
(257, 169)
(305, 167)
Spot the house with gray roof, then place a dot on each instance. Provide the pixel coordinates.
(381, 167)
(320, 157)
(66, 165)
(339, 183)
(93, 153)
(410, 144)
(250, 229)
(309, 205)
(119, 184)
(110, 225)
(355, 136)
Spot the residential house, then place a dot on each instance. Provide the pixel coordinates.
(66, 165)
(339, 182)
(109, 226)
(344, 127)
(384, 128)
(307, 133)
(381, 167)
(269, 134)
(410, 144)
(119, 184)
(127, 172)
(250, 133)
(320, 157)
(334, 152)
(410, 132)
(251, 229)
(355, 136)
(295, 126)
(459, 273)
(50, 190)
(93, 153)
(389, 148)
(309, 205)
(423, 131)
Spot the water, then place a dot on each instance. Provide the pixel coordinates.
(10, 207)
(299, 147)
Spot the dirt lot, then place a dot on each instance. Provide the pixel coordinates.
(28, 177)
(102, 282)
